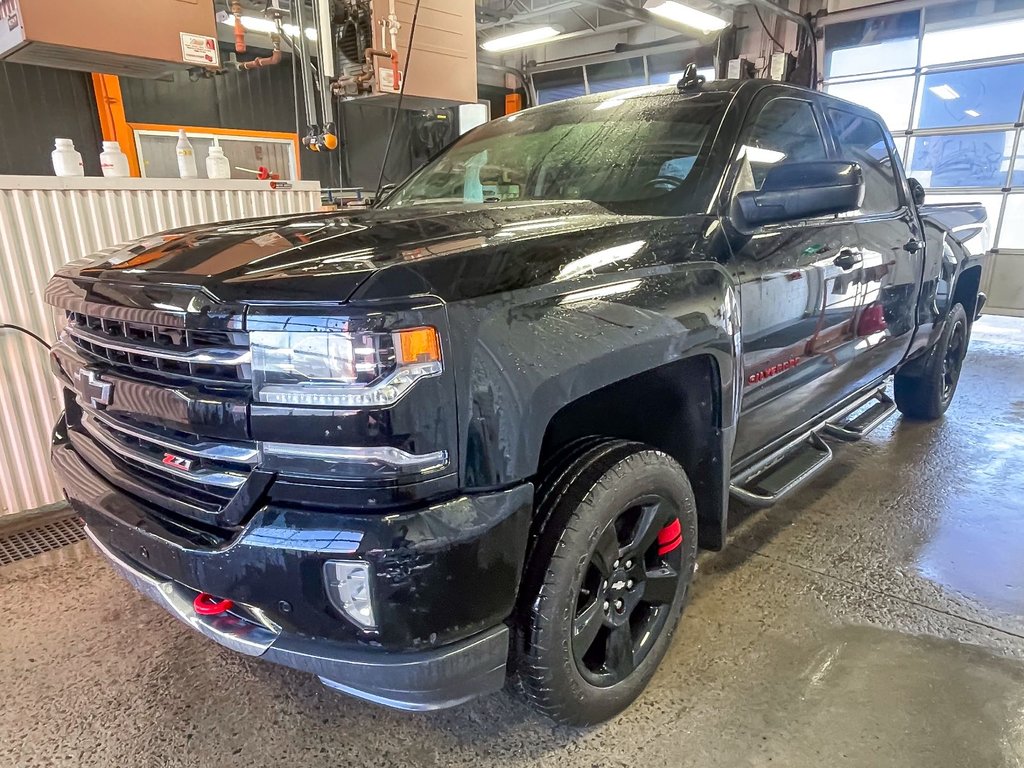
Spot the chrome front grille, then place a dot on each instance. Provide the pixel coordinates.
(206, 475)
(218, 357)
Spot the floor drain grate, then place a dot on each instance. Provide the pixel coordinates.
(35, 541)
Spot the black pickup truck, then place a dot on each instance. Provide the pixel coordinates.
(476, 434)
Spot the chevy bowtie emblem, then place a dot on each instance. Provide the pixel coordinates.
(93, 390)
(178, 462)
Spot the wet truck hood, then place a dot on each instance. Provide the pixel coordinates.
(379, 254)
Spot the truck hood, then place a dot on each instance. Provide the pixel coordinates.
(379, 254)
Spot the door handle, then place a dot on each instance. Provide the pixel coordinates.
(913, 245)
(848, 258)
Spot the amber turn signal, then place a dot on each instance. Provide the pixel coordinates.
(418, 345)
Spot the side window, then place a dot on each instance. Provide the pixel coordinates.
(862, 140)
(784, 130)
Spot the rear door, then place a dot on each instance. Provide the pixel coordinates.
(889, 245)
(798, 305)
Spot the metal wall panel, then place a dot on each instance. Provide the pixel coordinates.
(45, 222)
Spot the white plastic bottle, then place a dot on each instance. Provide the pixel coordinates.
(186, 157)
(114, 162)
(67, 161)
(217, 165)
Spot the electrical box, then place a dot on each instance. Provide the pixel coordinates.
(443, 62)
(781, 67)
(740, 69)
(134, 38)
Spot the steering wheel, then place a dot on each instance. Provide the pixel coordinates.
(669, 183)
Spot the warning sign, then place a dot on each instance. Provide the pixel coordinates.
(199, 49)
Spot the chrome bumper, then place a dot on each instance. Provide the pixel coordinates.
(423, 680)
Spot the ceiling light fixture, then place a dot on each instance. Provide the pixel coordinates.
(522, 39)
(945, 92)
(684, 14)
(972, 112)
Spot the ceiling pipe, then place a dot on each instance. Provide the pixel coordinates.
(796, 18)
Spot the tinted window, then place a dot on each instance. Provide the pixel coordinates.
(862, 140)
(783, 131)
(631, 152)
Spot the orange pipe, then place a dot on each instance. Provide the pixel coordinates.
(265, 60)
(236, 8)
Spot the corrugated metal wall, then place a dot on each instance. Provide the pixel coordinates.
(45, 222)
(38, 104)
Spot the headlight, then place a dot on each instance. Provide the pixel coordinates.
(341, 369)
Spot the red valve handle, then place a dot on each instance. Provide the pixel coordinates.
(207, 605)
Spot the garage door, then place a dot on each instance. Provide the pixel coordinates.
(949, 79)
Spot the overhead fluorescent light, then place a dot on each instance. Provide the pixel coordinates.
(944, 91)
(684, 14)
(972, 112)
(266, 26)
(522, 39)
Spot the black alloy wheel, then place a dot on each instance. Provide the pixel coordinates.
(614, 552)
(953, 360)
(627, 591)
(926, 391)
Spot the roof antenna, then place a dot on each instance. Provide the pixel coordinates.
(690, 81)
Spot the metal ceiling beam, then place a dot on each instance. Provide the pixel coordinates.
(565, 5)
(639, 14)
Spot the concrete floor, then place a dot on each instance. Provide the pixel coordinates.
(876, 619)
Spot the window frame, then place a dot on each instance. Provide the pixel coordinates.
(899, 172)
(761, 102)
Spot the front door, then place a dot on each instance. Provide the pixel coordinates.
(799, 282)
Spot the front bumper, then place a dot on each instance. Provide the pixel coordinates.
(434, 679)
(445, 581)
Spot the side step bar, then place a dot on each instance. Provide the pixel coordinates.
(782, 472)
(856, 421)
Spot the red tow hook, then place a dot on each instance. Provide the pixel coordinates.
(206, 604)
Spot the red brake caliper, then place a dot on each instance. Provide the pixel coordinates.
(208, 605)
(669, 538)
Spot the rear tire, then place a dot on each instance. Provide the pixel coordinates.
(928, 395)
(607, 582)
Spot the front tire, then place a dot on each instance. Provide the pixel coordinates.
(607, 582)
(928, 395)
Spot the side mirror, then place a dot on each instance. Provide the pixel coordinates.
(916, 191)
(794, 191)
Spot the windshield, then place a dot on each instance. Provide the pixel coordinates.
(630, 152)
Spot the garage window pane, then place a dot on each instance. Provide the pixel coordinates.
(992, 202)
(890, 98)
(961, 160)
(612, 75)
(970, 97)
(872, 45)
(972, 30)
(558, 85)
(1012, 235)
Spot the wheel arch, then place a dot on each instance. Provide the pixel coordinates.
(689, 425)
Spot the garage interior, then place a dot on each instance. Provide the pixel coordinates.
(875, 617)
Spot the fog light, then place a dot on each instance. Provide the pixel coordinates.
(348, 588)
